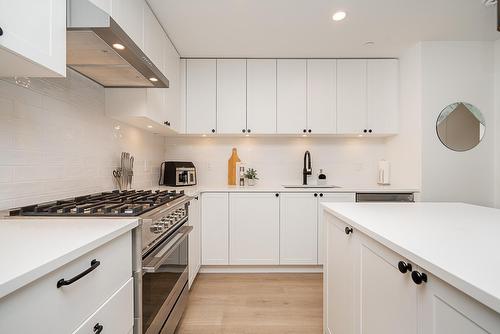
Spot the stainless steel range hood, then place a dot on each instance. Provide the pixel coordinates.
(92, 37)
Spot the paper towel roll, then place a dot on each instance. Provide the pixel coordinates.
(384, 172)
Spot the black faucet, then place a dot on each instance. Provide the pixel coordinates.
(307, 167)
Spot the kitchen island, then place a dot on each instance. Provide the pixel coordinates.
(411, 268)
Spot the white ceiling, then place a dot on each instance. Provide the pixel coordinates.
(304, 28)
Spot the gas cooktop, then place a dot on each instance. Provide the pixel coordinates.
(113, 204)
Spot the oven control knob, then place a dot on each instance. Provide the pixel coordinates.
(156, 228)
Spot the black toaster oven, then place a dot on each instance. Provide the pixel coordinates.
(177, 174)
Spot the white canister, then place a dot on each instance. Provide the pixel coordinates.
(384, 172)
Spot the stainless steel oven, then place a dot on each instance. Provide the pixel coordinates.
(164, 283)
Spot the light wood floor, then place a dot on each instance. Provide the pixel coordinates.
(254, 304)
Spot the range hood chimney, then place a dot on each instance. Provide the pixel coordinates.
(98, 48)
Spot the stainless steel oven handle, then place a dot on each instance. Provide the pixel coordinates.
(159, 257)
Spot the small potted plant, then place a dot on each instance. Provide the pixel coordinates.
(251, 175)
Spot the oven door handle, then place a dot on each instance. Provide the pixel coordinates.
(155, 261)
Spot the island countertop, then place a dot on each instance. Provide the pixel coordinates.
(32, 248)
(459, 243)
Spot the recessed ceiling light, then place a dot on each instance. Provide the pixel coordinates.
(339, 16)
(118, 46)
(153, 79)
(150, 126)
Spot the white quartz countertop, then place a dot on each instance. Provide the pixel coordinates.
(32, 248)
(459, 243)
(195, 190)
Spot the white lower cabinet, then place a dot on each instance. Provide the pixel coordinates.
(194, 239)
(42, 307)
(298, 228)
(339, 279)
(366, 293)
(215, 229)
(254, 228)
(324, 198)
(116, 315)
(446, 310)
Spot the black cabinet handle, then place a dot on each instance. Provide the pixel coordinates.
(418, 278)
(98, 328)
(365, 131)
(370, 130)
(304, 130)
(277, 195)
(320, 195)
(315, 195)
(249, 130)
(348, 230)
(309, 130)
(404, 267)
(167, 123)
(1, 32)
(243, 130)
(93, 265)
(213, 130)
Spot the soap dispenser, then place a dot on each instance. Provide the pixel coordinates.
(321, 178)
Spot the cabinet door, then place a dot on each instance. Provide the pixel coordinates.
(383, 95)
(322, 96)
(254, 228)
(33, 42)
(351, 96)
(448, 310)
(383, 284)
(231, 96)
(332, 197)
(291, 96)
(298, 228)
(201, 96)
(154, 39)
(261, 95)
(174, 107)
(194, 239)
(129, 15)
(340, 278)
(215, 229)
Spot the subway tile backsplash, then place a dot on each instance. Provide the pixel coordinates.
(56, 142)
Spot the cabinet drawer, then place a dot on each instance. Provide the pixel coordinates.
(41, 307)
(116, 315)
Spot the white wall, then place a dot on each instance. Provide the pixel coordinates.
(56, 142)
(278, 160)
(457, 71)
(404, 151)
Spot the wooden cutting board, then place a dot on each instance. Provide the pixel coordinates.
(231, 167)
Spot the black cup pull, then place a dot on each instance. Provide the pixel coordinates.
(93, 265)
(98, 328)
(404, 267)
(348, 230)
(418, 278)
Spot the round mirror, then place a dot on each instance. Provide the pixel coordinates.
(460, 126)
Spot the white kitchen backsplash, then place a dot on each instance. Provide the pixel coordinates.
(56, 142)
(279, 160)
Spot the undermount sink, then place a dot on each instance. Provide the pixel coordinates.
(302, 186)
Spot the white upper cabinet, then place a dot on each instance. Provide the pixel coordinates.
(174, 114)
(33, 38)
(154, 39)
(291, 96)
(322, 96)
(298, 228)
(254, 234)
(231, 96)
(261, 96)
(351, 96)
(382, 95)
(201, 105)
(129, 15)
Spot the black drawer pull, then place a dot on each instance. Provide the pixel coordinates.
(98, 328)
(404, 267)
(93, 265)
(1, 32)
(418, 278)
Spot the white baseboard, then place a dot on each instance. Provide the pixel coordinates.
(260, 269)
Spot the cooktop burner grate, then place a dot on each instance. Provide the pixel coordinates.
(114, 203)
